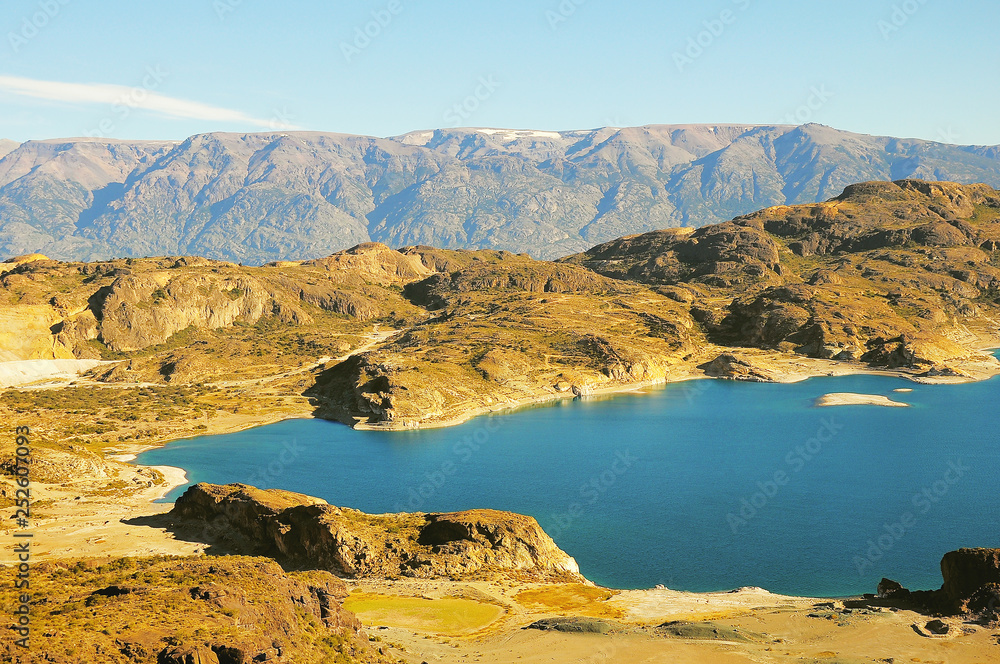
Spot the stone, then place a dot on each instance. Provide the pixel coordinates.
(937, 627)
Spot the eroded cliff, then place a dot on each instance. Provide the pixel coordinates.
(307, 533)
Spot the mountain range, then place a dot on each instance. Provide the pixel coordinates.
(255, 198)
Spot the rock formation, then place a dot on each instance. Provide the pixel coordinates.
(971, 588)
(887, 273)
(734, 367)
(972, 582)
(310, 534)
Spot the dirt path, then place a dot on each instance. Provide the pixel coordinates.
(374, 339)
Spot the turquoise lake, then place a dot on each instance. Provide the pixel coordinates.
(705, 485)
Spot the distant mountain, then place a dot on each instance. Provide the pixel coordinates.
(255, 198)
(6, 146)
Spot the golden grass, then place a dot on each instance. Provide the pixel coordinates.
(571, 597)
(444, 617)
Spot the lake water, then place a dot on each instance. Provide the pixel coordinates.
(705, 485)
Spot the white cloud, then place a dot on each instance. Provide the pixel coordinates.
(143, 96)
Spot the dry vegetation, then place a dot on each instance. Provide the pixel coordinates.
(136, 610)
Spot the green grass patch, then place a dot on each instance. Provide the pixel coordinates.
(446, 617)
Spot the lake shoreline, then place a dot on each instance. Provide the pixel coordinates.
(797, 371)
(792, 369)
(808, 624)
(783, 368)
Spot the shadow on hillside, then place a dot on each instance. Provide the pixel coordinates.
(195, 532)
(334, 391)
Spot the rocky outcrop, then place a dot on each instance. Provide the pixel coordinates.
(972, 581)
(207, 610)
(498, 271)
(971, 589)
(16, 261)
(931, 214)
(310, 534)
(920, 352)
(139, 311)
(26, 334)
(376, 262)
(374, 389)
(622, 364)
(734, 367)
(725, 254)
(893, 271)
(130, 305)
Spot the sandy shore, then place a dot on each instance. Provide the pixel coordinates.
(852, 399)
(71, 519)
(24, 372)
(746, 625)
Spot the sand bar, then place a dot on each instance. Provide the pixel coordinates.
(852, 399)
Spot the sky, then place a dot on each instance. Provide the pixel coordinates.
(167, 70)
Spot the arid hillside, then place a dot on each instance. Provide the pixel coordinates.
(900, 276)
(893, 274)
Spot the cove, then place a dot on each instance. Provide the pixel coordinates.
(703, 485)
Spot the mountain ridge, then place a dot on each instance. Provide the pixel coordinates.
(259, 197)
(899, 276)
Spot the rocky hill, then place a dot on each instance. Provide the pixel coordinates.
(306, 532)
(901, 276)
(889, 273)
(223, 610)
(256, 198)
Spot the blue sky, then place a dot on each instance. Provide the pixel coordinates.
(914, 68)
